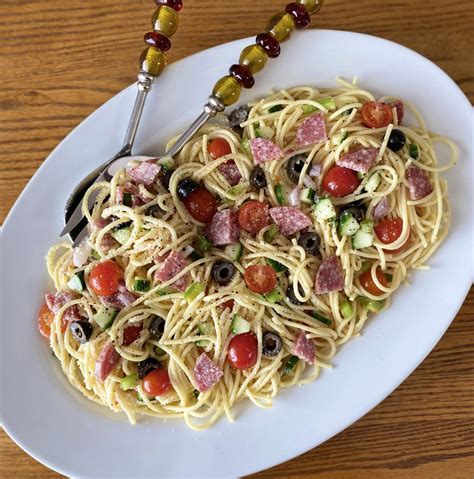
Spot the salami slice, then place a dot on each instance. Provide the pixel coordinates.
(312, 130)
(359, 160)
(230, 172)
(264, 150)
(304, 348)
(400, 107)
(329, 276)
(55, 301)
(206, 373)
(106, 362)
(223, 228)
(382, 208)
(289, 219)
(419, 185)
(145, 173)
(172, 265)
(119, 300)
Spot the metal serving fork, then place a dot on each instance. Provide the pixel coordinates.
(225, 93)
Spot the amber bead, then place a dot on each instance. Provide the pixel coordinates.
(254, 58)
(281, 26)
(269, 44)
(155, 39)
(227, 89)
(299, 13)
(242, 75)
(152, 61)
(175, 4)
(313, 6)
(165, 20)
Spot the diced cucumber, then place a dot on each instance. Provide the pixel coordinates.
(192, 291)
(104, 316)
(280, 194)
(264, 132)
(307, 108)
(204, 329)
(237, 190)
(234, 250)
(414, 151)
(270, 234)
(372, 183)
(245, 144)
(346, 309)
(275, 108)
(239, 325)
(348, 225)
(372, 305)
(76, 283)
(274, 296)
(165, 291)
(364, 237)
(327, 102)
(122, 235)
(194, 255)
(324, 209)
(307, 195)
(278, 267)
(129, 382)
(321, 318)
(127, 199)
(141, 285)
(166, 162)
(202, 244)
(338, 138)
(290, 364)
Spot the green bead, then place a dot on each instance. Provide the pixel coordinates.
(165, 21)
(152, 61)
(227, 89)
(313, 6)
(254, 58)
(281, 26)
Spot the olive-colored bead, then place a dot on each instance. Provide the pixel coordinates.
(165, 21)
(254, 58)
(227, 89)
(152, 61)
(313, 6)
(281, 26)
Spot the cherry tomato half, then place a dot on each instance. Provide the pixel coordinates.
(201, 205)
(388, 231)
(105, 277)
(253, 216)
(218, 147)
(260, 278)
(376, 114)
(45, 318)
(368, 284)
(339, 181)
(131, 333)
(157, 382)
(243, 351)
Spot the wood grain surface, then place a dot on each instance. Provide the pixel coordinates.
(60, 60)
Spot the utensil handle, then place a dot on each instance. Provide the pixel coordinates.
(267, 45)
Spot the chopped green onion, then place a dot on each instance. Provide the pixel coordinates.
(275, 108)
(129, 382)
(237, 190)
(165, 291)
(245, 144)
(278, 267)
(280, 195)
(141, 285)
(193, 291)
(202, 244)
(270, 234)
(308, 108)
(290, 364)
(94, 254)
(127, 199)
(321, 318)
(372, 305)
(414, 151)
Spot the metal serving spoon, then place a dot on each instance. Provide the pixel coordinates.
(225, 92)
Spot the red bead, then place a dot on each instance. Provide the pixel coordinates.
(242, 74)
(299, 13)
(157, 40)
(175, 4)
(269, 44)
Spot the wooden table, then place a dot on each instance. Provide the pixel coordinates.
(60, 60)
